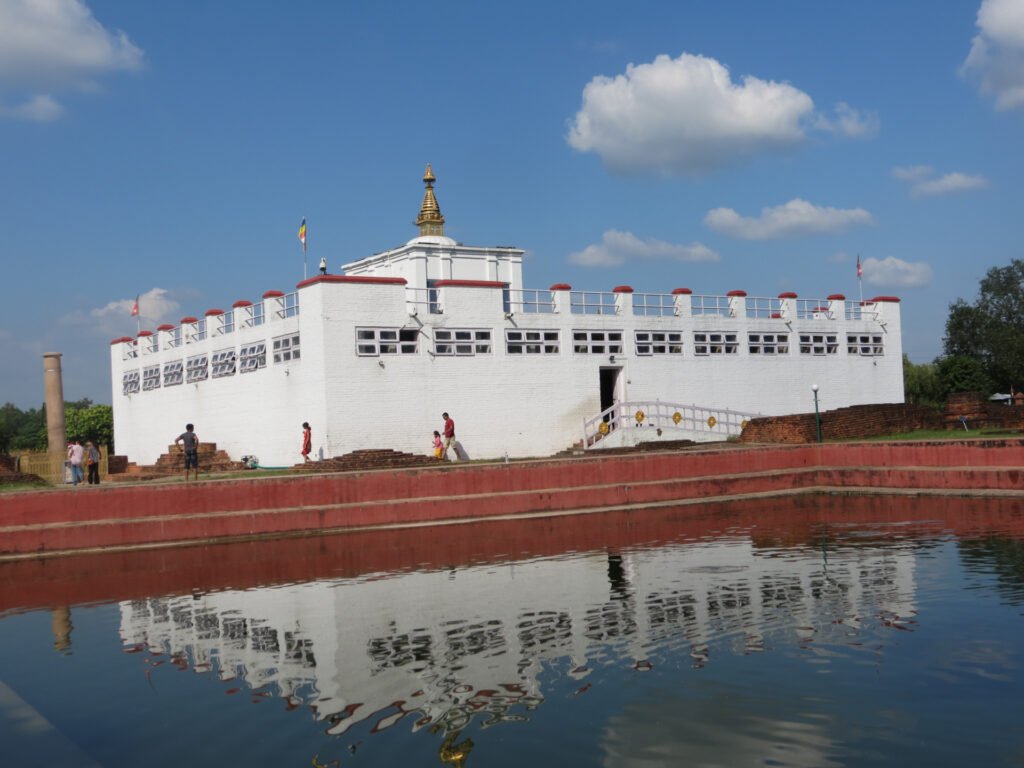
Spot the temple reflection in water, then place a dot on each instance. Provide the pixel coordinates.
(447, 646)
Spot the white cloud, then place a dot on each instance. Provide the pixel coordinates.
(795, 218)
(53, 44)
(686, 116)
(617, 248)
(996, 60)
(923, 183)
(40, 108)
(896, 273)
(114, 318)
(850, 122)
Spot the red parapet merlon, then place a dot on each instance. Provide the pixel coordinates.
(273, 294)
(893, 299)
(145, 333)
(682, 292)
(165, 327)
(241, 303)
(122, 340)
(214, 312)
(352, 279)
(776, 315)
(622, 289)
(836, 297)
(560, 287)
(787, 295)
(736, 293)
(189, 319)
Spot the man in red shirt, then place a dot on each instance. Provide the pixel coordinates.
(449, 433)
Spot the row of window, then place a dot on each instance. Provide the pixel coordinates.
(372, 342)
(223, 362)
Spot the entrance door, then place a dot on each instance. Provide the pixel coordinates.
(610, 388)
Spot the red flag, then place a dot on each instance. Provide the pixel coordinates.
(859, 270)
(135, 307)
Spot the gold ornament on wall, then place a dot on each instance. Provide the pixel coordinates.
(640, 416)
(712, 421)
(677, 417)
(603, 428)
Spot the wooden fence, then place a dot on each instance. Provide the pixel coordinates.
(56, 471)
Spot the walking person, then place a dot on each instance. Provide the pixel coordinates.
(449, 436)
(188, 441)
(92, 461)
(75, 455)
(307, 440)
(438, 446)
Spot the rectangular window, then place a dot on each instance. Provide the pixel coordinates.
(130, 383)
(228, 322)
(597, 342)
(768, 343)
(150, 377)
(286, 348)
(715, 343)
(864, 345)
(818, 344)
(196, 369)
(461, 342)
(531, 342)
(172, 373)
(222, 363)
(658, 342)
(371, 342)
(252, 357)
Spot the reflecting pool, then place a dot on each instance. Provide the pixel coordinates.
(811, 631)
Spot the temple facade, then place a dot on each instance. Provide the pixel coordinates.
(371, 357)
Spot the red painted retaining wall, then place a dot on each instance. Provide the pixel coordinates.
(159, 514)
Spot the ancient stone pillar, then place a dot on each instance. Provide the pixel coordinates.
(53, 382)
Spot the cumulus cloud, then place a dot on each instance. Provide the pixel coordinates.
(54, 44)
(849, 122)
(996, 60)
(896, 273)
(924, 183)
(114, 318)
(617, 248)
(687, 116)
(795, 218)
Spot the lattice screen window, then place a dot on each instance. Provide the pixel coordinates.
(286, 348)
(519, 342)
(461, 342)
(130, 383)
(597, 342)
(818, 344)
(252, 357)
(768, 343)
(173, 373)
(658, 342)
(865, 345)
(371, 342)
(197, 369)
(715, 343)
(150, 377)
(222, 363)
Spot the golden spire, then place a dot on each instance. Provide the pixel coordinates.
(430, 221)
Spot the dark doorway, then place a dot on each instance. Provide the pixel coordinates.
(609, 387)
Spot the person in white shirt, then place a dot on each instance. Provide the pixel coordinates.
(75, 454)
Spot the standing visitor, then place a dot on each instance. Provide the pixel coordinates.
(189, 443)
(449, 434)
(75, 455)
(438, 447)
(307, 440)
(92, 461)
(323, 265)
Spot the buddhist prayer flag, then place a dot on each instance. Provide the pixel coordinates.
(302, 233)
(135, 307)
(860, 271)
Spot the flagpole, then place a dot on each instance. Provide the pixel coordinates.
(860, 280)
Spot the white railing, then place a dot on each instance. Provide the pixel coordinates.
(289, 305)
(422, 300)
(654, 304)
(710, 305)
(761, 307)
(529, 301)
(813, 309)
(658, 417)
(592, 303)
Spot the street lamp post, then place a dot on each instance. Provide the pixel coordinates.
(817, 413)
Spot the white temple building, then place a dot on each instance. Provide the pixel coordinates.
(373, 356)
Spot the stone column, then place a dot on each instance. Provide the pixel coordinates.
(54, 386)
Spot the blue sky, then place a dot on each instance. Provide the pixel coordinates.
(171, 150)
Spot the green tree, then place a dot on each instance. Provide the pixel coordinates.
(959, 373)
(93, 422)
(991, 331)
(921, 384)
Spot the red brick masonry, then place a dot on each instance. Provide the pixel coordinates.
(105, 517)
